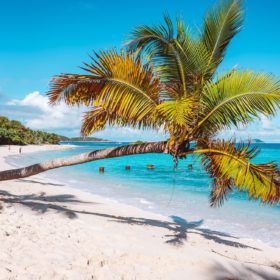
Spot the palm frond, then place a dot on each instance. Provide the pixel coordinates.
(178, 112)
(178, 56)
(220, 25)
(131, 91)
(230, 166)
(236, 99)
(119, 84)
(94, 120)
(74, 89)
(221, 188)
(159, 45)
(193, 54)
(153, 39)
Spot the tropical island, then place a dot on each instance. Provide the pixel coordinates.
(257, 141)
(195, 204)
(15, 133)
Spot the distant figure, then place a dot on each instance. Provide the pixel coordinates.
(9, 147)
(190, 166)
(20, 150)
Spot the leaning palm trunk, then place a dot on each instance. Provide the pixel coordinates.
(151, 147)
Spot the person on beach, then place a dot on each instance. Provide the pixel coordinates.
(20, 150)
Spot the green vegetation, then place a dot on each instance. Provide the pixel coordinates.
(13, 132)
(138, 142)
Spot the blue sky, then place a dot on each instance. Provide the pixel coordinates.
(40, 39)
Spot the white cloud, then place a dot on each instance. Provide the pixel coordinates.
(265, 130)
(34, 99)
(44, 116)
(266, 123)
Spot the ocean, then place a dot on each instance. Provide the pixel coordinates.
(184, 192)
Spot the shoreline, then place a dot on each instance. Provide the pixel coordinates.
(264, 228)
(110, 240)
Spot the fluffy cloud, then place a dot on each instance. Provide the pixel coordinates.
(34, 99)
(266, 129)
(266, 123)
(44, 116)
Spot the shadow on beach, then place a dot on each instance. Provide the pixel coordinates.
(178, 227)
(39, 182)
(234, 271)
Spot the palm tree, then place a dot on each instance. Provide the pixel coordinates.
(166, 77)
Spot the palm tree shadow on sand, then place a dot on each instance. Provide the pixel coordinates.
(179, 227)
(234, 271)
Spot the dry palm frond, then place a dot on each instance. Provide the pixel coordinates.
(230, 166)
(74, 89)
(118, 83)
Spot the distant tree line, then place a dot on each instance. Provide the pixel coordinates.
(13, 132)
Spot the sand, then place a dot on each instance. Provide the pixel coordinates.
(51, 231)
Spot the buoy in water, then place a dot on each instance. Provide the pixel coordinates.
(150, 166)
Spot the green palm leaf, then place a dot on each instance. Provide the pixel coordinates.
(158, 45)
(220, 26)
(178, 112)
(236, 99)
(193, 54)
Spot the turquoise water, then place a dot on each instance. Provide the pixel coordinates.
(182, 192)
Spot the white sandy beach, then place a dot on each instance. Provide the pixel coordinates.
(51, 231)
